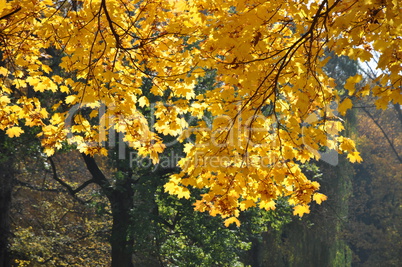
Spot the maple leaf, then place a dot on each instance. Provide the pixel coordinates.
(49, 151)
(301, 210)
(231, 220)
(351, 83)
(268, 205)
(70, 99)
(245, 204)
(14, 131)
(3, 5)
(354, 157)
(344, 106)
(319, 198)
(143, 101)
(382, 103)
(3, 71)
(4, 100)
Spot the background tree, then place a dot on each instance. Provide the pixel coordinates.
(374, 228)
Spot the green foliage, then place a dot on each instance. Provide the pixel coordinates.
(169, 229)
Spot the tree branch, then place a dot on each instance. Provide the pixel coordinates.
(39, 188)
(384, 133)
(11, 13)
(70, 190)
(97, 175)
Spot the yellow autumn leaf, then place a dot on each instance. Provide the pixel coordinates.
(4, 100)
(3, 71)
(33, 80)
(345, 106)
(351, 83)
(70, 99)
(3, 5)
(93, 113)
(48, 151)
(382, 103)
(188, 147)
(64, 89)
(319, 198)
(267, 205)
(231, 220)
(14, 131)
(354, 157)
(183, 192)
(143, 101)
(301, 210)
(245, 204)
(347, 144)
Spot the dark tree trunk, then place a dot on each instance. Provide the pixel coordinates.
(5, 204)
(6, 187)
(121, 239)
(121, 200)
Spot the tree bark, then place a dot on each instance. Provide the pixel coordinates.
(120, 197)
(121, 240)
(5, 204)
(6, 187)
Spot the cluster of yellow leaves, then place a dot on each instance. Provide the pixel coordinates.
(271, 110)
(29, 110)
(101, 66)
(367, 27)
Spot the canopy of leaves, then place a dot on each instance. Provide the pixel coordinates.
(272, 108)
